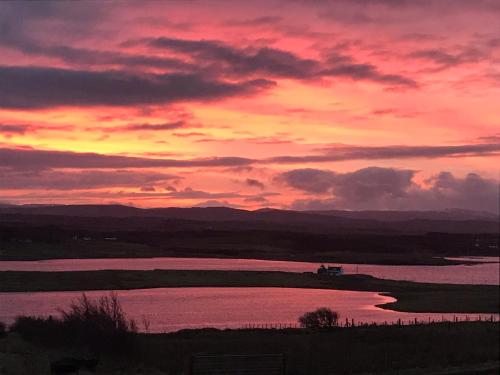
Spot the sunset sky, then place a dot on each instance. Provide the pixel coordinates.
(362, 104)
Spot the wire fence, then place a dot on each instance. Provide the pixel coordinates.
(349, 323)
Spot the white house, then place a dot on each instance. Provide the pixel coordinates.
(330, 271)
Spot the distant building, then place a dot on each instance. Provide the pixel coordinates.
(330, 271)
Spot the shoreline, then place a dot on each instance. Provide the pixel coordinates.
(102, 249)
(433, 260)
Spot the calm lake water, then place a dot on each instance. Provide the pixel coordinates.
(484, 273)
(171, 309)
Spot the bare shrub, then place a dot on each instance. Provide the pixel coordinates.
(320, 318)
(100, 325)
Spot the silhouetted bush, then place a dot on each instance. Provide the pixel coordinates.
(33, 328)
(100, 325)
(320, 318)
(3, 330)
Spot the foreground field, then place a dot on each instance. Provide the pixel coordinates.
(411, 297)
(358, 350)
(443, 348)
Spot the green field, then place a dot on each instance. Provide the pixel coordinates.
(411, 297)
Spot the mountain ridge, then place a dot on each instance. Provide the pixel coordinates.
(118, 210)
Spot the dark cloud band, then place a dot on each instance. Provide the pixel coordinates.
(32, 158)
(36, 87)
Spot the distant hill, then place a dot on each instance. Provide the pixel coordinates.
(449, 214)
(453, 221)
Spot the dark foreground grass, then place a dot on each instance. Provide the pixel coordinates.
(411, 297)
(339, 351)
(439, 348)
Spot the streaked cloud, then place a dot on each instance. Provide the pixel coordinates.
(33, 158)
(255, 183)
(151, 127)
(79, 180)
(41, 159)
(40, 87)
(274, 62)
(12, 129)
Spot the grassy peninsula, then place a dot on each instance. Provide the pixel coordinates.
(411, 296)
